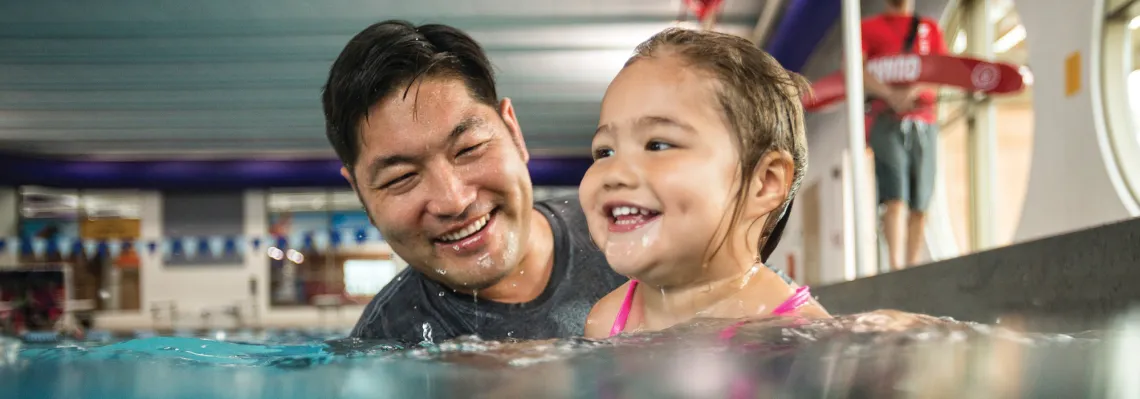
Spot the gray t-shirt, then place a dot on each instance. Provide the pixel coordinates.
(411, 308)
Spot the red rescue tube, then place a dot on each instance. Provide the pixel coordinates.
(969, 74)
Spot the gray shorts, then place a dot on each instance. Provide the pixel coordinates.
(906, 155)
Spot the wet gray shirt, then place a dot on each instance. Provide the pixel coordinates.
(411, 308)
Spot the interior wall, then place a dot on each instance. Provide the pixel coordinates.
(9, 209)
(1053, 173)
(198, 288)
(1073, 183)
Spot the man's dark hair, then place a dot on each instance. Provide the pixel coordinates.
(390, 57)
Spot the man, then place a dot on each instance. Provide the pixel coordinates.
(439, 162)
(903, 133)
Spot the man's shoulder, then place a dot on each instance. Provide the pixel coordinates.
(567, 217)
(401, 296)
(565, 214)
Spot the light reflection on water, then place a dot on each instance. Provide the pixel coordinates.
(880, 354)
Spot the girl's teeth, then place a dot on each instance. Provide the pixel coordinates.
(629, 210)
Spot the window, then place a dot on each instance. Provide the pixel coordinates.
(1121, 87)
(1013, 128)
(316, 236)
(85, 230)
(365, 278)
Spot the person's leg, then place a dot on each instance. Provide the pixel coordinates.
(924, 161)
(891, 166)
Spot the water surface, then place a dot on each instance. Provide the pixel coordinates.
(881, 355)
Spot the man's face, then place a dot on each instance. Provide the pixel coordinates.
(444, 179)
(901, 5)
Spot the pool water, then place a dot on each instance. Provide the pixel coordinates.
(876, 355)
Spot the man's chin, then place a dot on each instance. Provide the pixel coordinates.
(471, 282)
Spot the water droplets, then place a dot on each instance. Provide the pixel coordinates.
(441, 294)
(748, 276)
(427, 333)
(441, 271)
(484, 261)
(510, 334)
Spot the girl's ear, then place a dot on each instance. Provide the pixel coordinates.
(771, 182)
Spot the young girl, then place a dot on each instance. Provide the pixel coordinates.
(698, 153)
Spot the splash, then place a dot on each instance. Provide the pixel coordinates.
(748, 275)
(426, 334)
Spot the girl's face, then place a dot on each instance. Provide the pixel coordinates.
(665, 174)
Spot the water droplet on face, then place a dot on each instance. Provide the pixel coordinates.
(441, 271)
(441, 294)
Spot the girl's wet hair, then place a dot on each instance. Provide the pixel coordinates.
(760, 100)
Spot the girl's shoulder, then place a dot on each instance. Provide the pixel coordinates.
(601, 318)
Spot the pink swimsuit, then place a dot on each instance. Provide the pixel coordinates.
(799, 298)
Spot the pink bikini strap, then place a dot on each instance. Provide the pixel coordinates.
(800, 298)
(623, 313)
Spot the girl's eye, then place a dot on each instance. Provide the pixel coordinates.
(658, 146)
(603, 153)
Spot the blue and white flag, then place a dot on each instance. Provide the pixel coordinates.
(90, 248)
(39, 246)
(114, 248)
(65, 245)
(217, 245)
(190, 247)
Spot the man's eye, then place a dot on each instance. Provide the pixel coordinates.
(397, 181)
(470, 150)
(603, 153)
(658, 146)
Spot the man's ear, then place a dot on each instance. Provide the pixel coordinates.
(507, 112)
(771, 183)
(348, 176)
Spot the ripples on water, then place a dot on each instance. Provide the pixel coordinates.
(880, 354)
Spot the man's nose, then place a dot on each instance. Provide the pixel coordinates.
(450, 194)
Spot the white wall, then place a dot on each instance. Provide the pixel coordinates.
(1073, 183)
(9, 209)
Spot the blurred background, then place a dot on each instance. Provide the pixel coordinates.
(163, 164)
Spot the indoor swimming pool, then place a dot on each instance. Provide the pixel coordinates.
(874, 355)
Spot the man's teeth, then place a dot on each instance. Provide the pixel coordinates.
(629, 210)
(467, 231)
